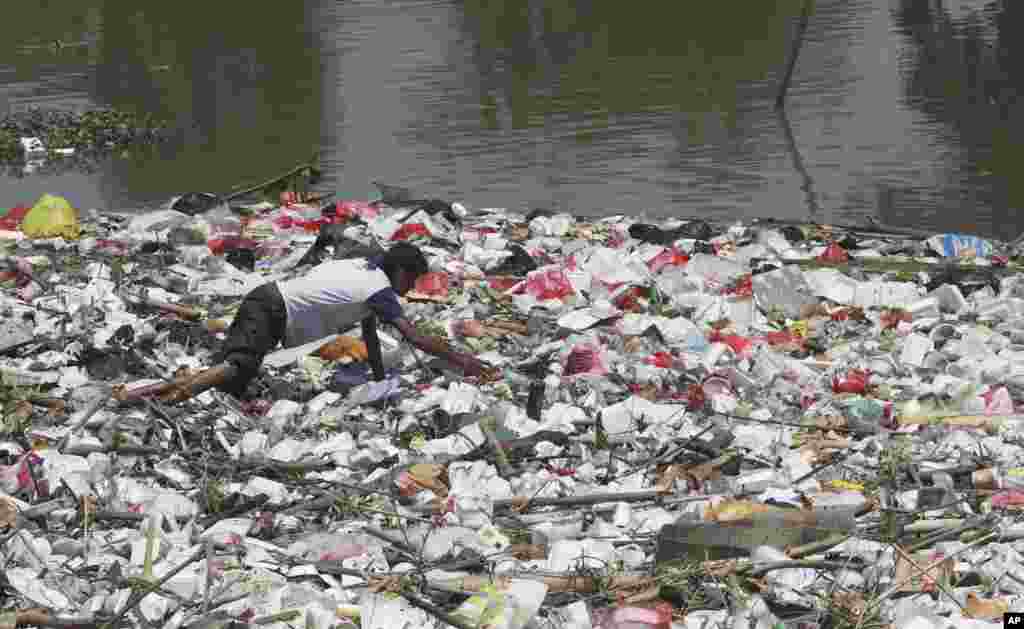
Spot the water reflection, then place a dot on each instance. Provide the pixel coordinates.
(963, 72)
(902, 109)
(241, 89)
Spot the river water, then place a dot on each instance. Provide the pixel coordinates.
(903, 110)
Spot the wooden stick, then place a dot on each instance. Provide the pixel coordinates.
(136, 598)
(270, 182)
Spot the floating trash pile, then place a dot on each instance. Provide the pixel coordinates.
(688, 424)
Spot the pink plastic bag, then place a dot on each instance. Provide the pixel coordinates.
(15, 478)
(1009, 498)
(635, 618)
(548, 283)
(998, 402)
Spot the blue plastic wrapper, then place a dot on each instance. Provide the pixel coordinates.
(960, 246)
(354, 374)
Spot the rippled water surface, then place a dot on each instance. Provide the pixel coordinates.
(905, 110)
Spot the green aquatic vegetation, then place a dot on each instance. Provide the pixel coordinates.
(93, 135)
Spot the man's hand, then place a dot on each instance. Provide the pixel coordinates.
(471, 366)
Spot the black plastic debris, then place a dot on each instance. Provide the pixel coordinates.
(193, 203)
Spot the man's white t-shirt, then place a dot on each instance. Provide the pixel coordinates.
(335, 296)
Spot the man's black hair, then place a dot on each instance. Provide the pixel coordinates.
(404, 256)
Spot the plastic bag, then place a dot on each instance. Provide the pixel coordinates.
(410, 231)
(348, 210)
(51, 217)
(668, 257)
(960, 246)
(548, 283)
(855, 381)
(12, 218)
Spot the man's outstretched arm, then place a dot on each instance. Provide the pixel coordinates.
(437, 347)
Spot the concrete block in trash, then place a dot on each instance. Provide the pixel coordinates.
(786, 289)
(696, 540)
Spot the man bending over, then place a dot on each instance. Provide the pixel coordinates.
(334, 296)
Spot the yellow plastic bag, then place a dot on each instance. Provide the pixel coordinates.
(51, 217)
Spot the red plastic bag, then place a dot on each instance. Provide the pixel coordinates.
(218, 246)
(669, 257)
(737, 343)
(348, 210)
(433, 284)
(855, 381)
(663, 360)
(410, 231)
(834, 254)
(548, 283)
(11, 220)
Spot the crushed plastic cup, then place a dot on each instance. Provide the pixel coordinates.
(926, 308)
(915, 348)
(785, 289)
(950, 298)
